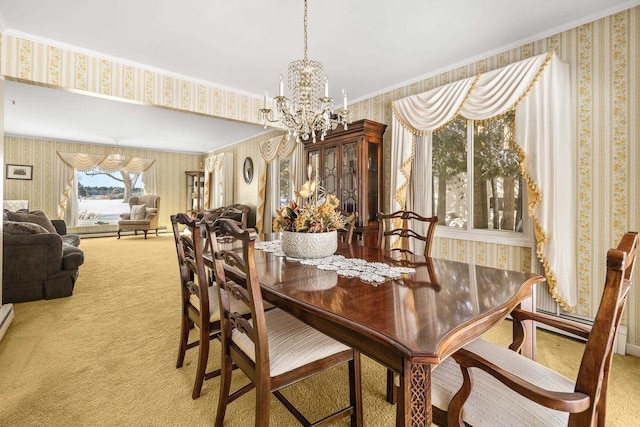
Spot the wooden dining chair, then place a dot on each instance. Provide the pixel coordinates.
(273, 349)
(346, 235)
(493, 385)
(199, 299)
(397, 224)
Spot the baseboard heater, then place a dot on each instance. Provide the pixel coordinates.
(547, 305)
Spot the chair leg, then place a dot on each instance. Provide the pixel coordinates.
(119, 233)
(203, 355)
(392, 390)
(145, 234)
(225, 386)
(355, 390)
(184, 339)
(263, 404)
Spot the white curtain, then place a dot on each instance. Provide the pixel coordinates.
(420, 201)
(218, 180)
(538, 89)
(68, 163)
(272, 196)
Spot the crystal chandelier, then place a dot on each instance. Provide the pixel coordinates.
(116, 154)
(306, 113)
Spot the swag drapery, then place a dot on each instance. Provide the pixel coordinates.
(269, 184)
(537, 89)
(68, 163)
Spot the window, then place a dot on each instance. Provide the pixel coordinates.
(285, 181)
(103, 196)
(479, 188)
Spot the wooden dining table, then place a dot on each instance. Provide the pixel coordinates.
(408, 324)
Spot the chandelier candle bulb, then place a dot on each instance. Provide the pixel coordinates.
(326, 88)
(281, 85)
(344, 100)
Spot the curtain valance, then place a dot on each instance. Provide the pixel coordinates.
(537, 89)
(278, 146)
(84, 162)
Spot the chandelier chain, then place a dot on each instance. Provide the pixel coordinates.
(305, 31)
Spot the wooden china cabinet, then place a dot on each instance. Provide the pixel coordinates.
(195, 190)
(350, 164)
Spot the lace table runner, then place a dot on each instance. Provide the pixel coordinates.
(369, 272)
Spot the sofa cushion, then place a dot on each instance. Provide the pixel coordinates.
(13, 227)
(36, 217)
(138, 212)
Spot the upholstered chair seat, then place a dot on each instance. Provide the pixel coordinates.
(490, 399)
(292, 344)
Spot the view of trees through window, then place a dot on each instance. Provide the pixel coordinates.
(285, 181)
(495, 190)
(103, 196)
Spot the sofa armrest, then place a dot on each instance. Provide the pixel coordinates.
(125, 215)
(72, 257)
(60, 226)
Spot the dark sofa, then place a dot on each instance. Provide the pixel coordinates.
(40, 260)
(237, 212)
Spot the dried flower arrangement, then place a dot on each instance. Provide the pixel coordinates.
(315, 211)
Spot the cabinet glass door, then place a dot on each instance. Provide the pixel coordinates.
(349, 179)
(329, 178)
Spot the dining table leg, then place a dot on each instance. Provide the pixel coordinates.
(414, 398)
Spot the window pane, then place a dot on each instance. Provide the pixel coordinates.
(497, 200)
(329, 179)
(450, 174)
(102, 196)
(285, 181)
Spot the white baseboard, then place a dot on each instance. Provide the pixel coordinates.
(620, 343)
(633, 350)
(6, 317)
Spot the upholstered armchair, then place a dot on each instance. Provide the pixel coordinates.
(143, 215)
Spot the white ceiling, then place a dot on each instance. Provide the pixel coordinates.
(366, 46)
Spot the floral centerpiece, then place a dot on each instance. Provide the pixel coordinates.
(313, 213)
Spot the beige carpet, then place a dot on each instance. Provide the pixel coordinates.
(106, 355)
